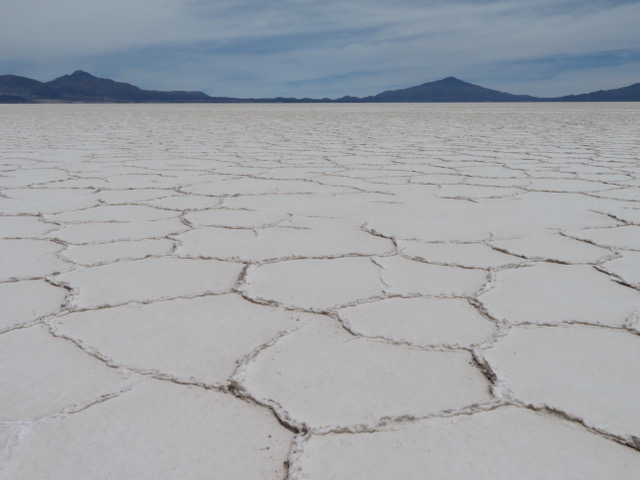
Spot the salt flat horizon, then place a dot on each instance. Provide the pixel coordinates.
(319, 291)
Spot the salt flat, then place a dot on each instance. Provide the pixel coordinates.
(320, 291)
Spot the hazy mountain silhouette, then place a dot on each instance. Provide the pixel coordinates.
(625, 94)
(83, 87)
(26, 88)
(449, 89)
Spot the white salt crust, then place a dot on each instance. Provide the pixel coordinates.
(321, 291)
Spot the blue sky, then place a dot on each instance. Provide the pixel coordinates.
(330, 48)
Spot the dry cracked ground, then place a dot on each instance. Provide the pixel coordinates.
(320, 292)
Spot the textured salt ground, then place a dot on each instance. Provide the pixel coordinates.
(504, 443)
(349, 291)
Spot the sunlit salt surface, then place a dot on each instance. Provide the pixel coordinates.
(443, 291)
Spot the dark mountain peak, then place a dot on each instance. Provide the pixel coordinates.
(448, 81)
(450, 89)
(82, 86)
(81, 74)
(452, 81)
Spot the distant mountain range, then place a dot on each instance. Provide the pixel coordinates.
(82, 87)
(449, 89)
